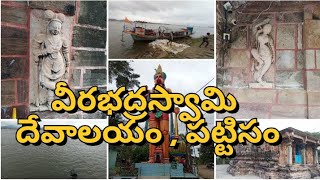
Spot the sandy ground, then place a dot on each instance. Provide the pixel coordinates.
(205, 172)
(193, 52)
(223, 174)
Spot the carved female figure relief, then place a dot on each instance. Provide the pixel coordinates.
(264, 54)
(52, 58)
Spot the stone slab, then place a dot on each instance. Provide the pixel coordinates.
(66, 7)
(261, 85)
(239, 58)
(314, 98)
(88, 37)
(14, 41)
(93, 13)
(301, 60)
(14, 68)
(318, 59)
(241, 41)
(7, 93)
(311, 34)
(292, 96)
(94, 77)
(285, 59)
(314, 112)
(313, 80)
(75, 77)
(310, 59)
(286, 112)
(88, 58)
(285, 37)
(289, 79)
(290, 17)
(13, 15)
(255, 96)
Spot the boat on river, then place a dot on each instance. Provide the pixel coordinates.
(140, 32)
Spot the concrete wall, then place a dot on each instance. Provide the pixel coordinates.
(295, 72)
(87, 52)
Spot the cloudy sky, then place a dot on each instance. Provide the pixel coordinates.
(196, 13)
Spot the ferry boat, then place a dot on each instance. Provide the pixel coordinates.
(140, 32)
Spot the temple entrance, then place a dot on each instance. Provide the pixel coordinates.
(298, 155)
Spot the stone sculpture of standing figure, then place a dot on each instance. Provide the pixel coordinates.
(52, 56)
(264, 54)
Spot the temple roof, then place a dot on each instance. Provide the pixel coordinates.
(295, 133)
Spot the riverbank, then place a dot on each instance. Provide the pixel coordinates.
(192, 52)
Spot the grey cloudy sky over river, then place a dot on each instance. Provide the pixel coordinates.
(195, 13)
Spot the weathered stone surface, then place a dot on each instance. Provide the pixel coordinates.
(94, 77)
(310, 59)
(14, 41)
(241, 41)
(66, 7)
(313, 80)
(314, 98)
(239, 58)
(7, 92)
(290, 17)
(285, 59)
(248, 111)
(314, 112)
(89, 58)
(301, 60)
(285, 111)
(13, 15)
(311, 34)
(255, 96)
(87, 37)
(22, 90)
(269, 76)
(240, 78)
(75, 78)
(289, 79)
(300, 36)
(287, 96)
(14, 68)
(285, 37)
(223, 77)
(93, 13)
(318, 59)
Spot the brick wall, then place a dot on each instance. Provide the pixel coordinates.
(87, 52)
(295, 72)
(14, 58)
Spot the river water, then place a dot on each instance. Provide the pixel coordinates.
(54, 162)
(129, 49)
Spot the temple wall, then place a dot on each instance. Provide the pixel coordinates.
(295, 72)
(87, 50)
(309, 155)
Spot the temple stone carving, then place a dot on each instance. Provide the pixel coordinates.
(264, 54)
(49, 56)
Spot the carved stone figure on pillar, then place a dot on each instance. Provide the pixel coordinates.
(264, 54)
(160, 120)
(50, 52)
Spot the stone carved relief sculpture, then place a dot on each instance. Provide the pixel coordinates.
(264, 53)
(50, 52)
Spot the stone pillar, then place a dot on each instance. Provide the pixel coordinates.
(315, 153)
(303, 151)
(290, 154)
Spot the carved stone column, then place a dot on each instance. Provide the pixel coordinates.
(303, 152)
(289, 153)
(315, 155)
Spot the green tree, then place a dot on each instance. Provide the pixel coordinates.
(206, 153)
(122, 73)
